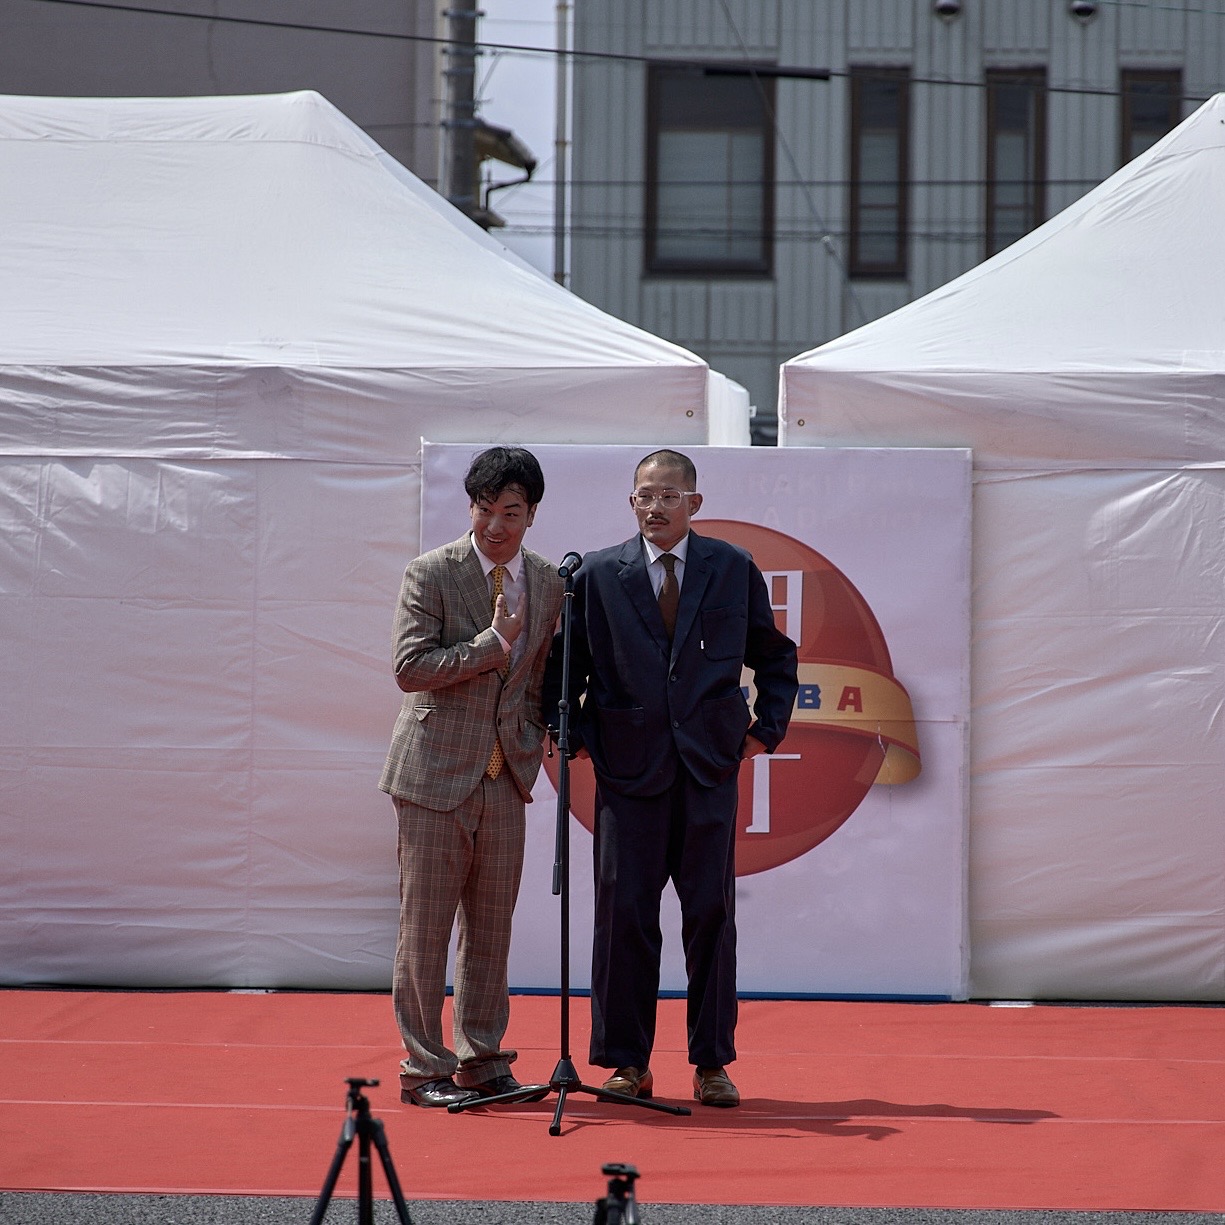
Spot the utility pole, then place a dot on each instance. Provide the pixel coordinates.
(561, 142)
(459, 122)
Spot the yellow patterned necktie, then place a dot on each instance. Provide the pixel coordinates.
(497, 759)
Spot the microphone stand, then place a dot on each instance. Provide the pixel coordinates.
(565, 1079)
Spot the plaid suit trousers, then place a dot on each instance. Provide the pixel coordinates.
(465, 864)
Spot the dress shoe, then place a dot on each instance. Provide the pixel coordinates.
(444, 1092)
(632, 1082)
(713, 1087)
(495, 1086)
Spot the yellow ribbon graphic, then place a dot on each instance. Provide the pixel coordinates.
(863, 702)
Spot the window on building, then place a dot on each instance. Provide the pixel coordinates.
(879, 159)
(1016, 155)
(1152, 105)
(710, 171)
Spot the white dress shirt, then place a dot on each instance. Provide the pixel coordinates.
(513, 586)
(655, 568)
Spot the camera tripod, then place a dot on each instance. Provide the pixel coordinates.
(565, 1079)
(619, 1206)
(359, 1122)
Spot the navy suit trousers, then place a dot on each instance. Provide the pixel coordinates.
(686, 834)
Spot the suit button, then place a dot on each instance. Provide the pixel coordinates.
(672, 677)
(676, 723)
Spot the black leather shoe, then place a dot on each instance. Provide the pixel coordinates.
(444, 1092)
(496, 1086)
(632, 1082)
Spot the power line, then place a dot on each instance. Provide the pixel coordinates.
(574, 55)
(836, 184)
(612, 229)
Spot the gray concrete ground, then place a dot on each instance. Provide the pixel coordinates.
(55, 1208)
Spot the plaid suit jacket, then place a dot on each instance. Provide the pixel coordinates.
(446, 658)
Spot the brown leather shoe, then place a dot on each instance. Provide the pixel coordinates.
(713, 1087)
(632, 1082)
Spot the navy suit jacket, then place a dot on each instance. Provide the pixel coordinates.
(646, 705)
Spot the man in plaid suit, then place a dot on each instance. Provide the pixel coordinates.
(472, 632)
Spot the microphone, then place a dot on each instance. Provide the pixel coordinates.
(569, 565)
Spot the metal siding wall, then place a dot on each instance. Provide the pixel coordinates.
(1020, 29)
(945, 216)
(732, 320)
(1152, 33)
(388, 86)
(607, 216)
(864, 301)
(700, 27)
(741, 313)
(1082, 128)
(809, 299)
(826, 315)
(881, 28)
(810, 204)
(678, 310)
(807, 207)
(1204, 71)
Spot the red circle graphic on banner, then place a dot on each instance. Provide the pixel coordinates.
(791, 801)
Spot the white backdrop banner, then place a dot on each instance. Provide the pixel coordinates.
(851, 847)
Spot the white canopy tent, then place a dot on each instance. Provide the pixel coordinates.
(1085, 366)
(225, 326)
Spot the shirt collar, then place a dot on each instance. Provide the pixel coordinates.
(512, 567)
(678, 550)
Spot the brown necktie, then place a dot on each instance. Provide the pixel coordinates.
(669, 593)
(497, 759)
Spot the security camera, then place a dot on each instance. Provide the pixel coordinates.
(948, 9)
(1083, 10)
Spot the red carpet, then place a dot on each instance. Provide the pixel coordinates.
(887, 1105)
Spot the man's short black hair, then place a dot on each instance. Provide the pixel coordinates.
(492, 472)
(671, 459)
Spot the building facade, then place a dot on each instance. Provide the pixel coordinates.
(750, 178)
(378, 61)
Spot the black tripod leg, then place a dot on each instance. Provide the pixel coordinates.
(625, 1099)
(555, 1126)
(365, 1185)
(343, 1145)
(525, 1093)
(393, 1182)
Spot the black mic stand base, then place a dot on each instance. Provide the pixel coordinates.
(564, 1081)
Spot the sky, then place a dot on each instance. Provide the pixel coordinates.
(516, 90)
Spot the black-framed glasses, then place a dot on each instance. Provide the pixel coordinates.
(670, 499)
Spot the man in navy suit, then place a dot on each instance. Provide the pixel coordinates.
(662, 627)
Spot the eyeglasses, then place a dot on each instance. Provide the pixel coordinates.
(670, 499)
